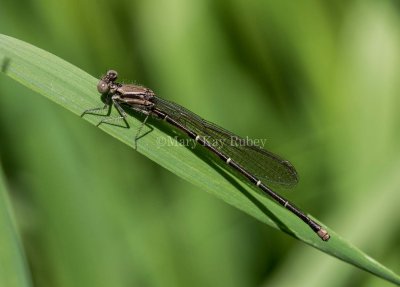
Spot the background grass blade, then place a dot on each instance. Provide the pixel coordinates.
(13, 271)
(75, 90)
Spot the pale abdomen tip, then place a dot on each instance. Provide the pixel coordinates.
(324, 234)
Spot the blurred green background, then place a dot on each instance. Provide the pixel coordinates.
(318, 79)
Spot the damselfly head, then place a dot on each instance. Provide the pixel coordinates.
(104, 85)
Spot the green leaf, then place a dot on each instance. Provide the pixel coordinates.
(13, 267)
(75, 90)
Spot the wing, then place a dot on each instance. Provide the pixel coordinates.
(261, 163)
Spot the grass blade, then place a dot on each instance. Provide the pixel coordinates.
(13, 271)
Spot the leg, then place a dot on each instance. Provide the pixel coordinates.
(122, 116)
(94, 111)
(138, 136)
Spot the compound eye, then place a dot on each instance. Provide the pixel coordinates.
(112, 75)
(103, 87)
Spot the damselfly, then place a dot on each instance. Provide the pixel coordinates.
(256, 164)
